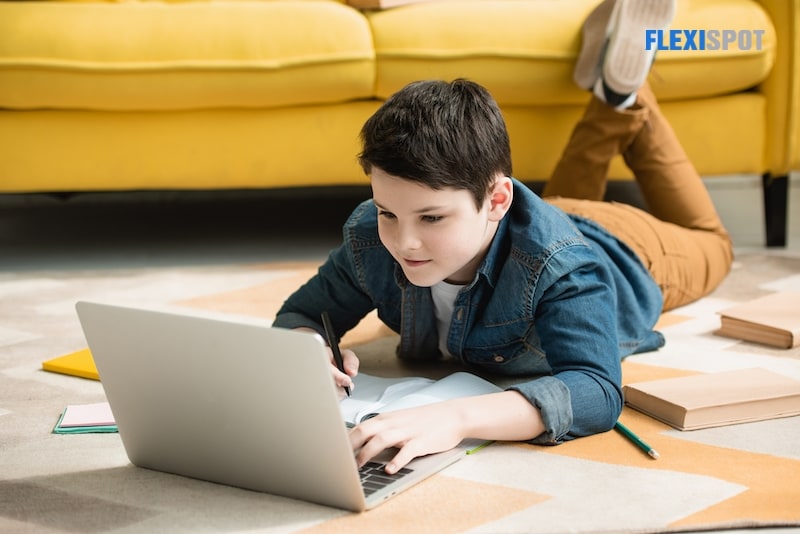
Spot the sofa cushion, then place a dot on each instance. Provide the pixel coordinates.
(155, 56)
(524, 51)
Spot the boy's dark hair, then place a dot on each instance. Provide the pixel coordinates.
(441, 134)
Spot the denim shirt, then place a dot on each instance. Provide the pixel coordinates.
(557, 301)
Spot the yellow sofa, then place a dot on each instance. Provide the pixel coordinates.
(238, 94)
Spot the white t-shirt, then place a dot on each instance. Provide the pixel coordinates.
(444, 299)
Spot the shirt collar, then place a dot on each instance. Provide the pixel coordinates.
(491, 266)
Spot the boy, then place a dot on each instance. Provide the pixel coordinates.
(467, 263)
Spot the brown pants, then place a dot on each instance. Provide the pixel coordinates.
(681, 239)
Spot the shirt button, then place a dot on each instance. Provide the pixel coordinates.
(498, 358)
(460, 314)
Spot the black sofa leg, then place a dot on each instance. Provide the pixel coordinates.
(776, 199)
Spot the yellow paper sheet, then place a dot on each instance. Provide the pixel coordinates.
(79, 363)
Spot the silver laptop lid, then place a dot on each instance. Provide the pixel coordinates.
(224, 400)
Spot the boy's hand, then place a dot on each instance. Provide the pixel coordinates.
(343, 380)
(414, 431)
(437, 427)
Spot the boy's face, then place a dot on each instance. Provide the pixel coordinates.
(436, 235)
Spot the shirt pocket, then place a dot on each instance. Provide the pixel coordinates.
(507, 350)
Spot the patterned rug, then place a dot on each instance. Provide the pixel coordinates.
(729, 477)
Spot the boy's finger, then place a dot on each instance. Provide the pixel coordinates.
(341, 379)
(399, 461)
(351, 362)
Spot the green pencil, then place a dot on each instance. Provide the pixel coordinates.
(637, 440)
(479, 447)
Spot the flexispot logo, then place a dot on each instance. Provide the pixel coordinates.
(703, 39)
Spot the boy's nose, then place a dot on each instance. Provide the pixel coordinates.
(407, 240)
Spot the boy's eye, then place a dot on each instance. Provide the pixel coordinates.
(432, 218)
(386, 214)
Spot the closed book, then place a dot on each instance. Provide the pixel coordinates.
(716, 399)
(772, 320)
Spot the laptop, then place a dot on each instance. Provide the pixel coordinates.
(231, 400)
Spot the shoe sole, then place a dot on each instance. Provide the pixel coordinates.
(626, 64)
(588, 68)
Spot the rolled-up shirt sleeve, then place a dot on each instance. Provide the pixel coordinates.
(551, 396)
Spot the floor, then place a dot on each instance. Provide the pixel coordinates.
(41, 232)
(58, 234)
(739, 202)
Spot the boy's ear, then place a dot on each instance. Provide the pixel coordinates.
(500, 197)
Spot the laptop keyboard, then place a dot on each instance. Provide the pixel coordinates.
(374, 477)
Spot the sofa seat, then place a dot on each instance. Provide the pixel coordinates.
(152, 56)
(525, 51)
(203, 55)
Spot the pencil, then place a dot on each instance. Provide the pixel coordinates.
(637, 440)
(483, 445)
(337, 354)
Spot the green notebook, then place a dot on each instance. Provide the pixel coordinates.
(86, 419)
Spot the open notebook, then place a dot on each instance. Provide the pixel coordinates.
(374, 395)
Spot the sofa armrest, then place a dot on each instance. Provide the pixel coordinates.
(782, 88)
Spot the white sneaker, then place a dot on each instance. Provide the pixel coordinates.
(594, 39)
(627, 62)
